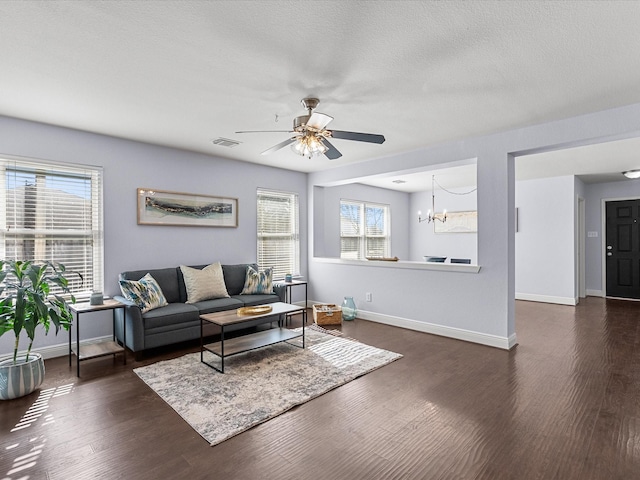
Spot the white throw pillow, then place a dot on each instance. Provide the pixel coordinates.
(204, 284)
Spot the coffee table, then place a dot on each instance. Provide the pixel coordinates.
(233, 346)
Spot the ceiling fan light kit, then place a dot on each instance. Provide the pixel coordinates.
(310, 136)
(632, 173)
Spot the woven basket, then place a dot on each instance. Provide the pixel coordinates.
(327, 314)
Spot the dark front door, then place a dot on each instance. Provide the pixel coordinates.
(623, 249)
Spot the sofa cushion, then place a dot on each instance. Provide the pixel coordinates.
(204, 284)
(145, 293)
(170, 316)
(258, 282)
(251, 300)
(167, 278)
(235, 275)
(218, 305)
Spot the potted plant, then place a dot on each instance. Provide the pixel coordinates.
(28, 301)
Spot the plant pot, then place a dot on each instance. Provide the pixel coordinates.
(22, 378)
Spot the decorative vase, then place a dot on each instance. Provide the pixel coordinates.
(21, 378)
(96, 298)
(349, 309)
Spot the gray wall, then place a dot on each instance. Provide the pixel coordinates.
(424, 241)
(481, 305)
(129, 165)
(398, 204)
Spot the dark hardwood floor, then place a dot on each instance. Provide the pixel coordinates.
(564, 404)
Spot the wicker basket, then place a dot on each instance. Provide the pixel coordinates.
(327, 314)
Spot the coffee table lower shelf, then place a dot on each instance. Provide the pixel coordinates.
(245, 343)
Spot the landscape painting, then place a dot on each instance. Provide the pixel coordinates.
(158, 207)
(458, 222)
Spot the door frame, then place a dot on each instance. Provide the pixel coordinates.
(603, 240)
(581, 250)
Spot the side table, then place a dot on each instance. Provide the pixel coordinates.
(289, 286)
(93, 350)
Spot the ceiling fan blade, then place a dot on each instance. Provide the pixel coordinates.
(265, 131)
(358, 137)
(318, 120)
(332, 153)
(288, 141)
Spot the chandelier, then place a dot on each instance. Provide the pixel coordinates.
(432, 217)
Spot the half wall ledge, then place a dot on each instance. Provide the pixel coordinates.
(400, 264)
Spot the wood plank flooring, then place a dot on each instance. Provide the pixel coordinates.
(564, 404)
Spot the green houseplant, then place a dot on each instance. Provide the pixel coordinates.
(28, 301)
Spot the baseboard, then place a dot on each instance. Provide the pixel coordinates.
(595, 293)
(530, 297)
(62, 349)
(505, 343)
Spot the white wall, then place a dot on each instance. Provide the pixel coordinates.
(545, 241)
(458, 304)
(424, 241)
(129, 165)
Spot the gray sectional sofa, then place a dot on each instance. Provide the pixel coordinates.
(180, 321)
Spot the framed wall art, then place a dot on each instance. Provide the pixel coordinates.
(159, 207)
(458, 222)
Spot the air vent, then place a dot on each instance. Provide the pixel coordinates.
(225, 142)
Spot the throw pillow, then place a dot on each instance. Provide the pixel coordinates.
(145, 293)
(204, 284)
(258, 282)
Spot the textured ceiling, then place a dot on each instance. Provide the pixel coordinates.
(181, 73)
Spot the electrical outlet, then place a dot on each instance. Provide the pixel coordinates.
(368, 296)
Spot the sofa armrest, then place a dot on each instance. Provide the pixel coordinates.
(280, 289)
(124, 301)
(131, 319)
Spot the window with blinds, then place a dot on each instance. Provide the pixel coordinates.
(278, 232)
(364, 230)
(54, 212)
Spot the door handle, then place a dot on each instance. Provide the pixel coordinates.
(609, 247)
(609, 254)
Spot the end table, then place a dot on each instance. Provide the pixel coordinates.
(93, 350)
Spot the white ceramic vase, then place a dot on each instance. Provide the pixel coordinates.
(22, 378)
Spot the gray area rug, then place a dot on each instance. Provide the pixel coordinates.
(260, 384)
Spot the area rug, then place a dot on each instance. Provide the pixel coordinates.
(260, 384)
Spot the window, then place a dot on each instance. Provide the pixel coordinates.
(364, 230)
(54, 212)
(278, 232)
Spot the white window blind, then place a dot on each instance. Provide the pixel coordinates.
(278, 232)
(364, 230)
(54, 212)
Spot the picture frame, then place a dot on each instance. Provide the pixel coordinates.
(161, 207)
(458, 222)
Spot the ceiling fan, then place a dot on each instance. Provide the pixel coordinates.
(310, 137)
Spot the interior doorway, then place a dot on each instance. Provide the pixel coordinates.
(622, 248)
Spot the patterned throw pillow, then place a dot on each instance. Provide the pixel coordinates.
(145, 293)
(204, 284)
(258, 282)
